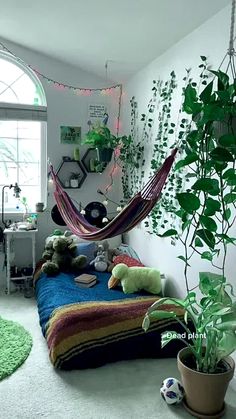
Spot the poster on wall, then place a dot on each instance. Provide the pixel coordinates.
(70, 135)
(96, 113)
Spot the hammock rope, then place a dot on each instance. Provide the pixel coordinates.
(132, 214)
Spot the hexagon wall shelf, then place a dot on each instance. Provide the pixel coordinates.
(66, 169)
(91, 163)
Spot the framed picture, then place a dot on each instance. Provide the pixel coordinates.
(70, 135)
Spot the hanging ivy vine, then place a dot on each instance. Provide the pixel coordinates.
(156, 147)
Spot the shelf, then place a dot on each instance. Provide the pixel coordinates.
(91, 156)
(17, 278)
(66, 168)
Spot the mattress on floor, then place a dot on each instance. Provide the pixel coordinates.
(86, 328)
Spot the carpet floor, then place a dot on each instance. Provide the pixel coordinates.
(127, 389)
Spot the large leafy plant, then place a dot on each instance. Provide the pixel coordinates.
(99, 136)
(207, 213)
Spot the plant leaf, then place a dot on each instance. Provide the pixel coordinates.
(212, 206)
(208, 223)
(207, 237)
(188, 201)
(207, 185)
(207, 255)
(227, 140)
(221, 155)
(168, 233)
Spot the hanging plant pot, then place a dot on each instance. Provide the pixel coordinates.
(104, 154)
(204, 393)
(225, 127)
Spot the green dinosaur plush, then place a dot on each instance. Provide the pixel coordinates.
(135, 278)
(60, 255)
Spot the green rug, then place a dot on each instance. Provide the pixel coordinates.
(15, 346)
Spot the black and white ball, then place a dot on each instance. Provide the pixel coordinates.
(172, 391)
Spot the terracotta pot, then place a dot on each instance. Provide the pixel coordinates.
(204, 393)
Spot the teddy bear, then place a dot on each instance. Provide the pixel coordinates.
(109, 253)
(135, 278)
(60, 255)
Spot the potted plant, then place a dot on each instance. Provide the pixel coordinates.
(74, 180)
(206, 213)
(99, 136)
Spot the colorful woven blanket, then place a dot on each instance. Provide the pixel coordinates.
(87, 328)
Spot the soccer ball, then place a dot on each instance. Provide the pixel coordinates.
(172, 391)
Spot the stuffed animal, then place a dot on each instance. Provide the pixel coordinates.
(135, 278)
(109, 253)
(100, 261)
(60, 255)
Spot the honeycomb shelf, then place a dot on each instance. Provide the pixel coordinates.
(68, 168)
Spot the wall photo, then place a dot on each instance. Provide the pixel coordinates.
(70, 135)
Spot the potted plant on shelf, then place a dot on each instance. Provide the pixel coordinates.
(74, 180)
(206, 213)
(99, 136)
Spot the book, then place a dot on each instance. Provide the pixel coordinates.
(84, 285)
(86, 280)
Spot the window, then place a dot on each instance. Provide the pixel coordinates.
(23, 116)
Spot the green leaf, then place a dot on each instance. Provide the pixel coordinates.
(212, 206)
(146, 323)
(198, 242)
(207, 185)
(223, 79)
(192, 139)
(188, 201)
(212, 112)
(228, 174)
(168, 233)
(227, 344)
(221, 155)
(208, 281)
(207, 237)
(208, 223)
(191, 105)
(205, 96)
(161, 314)
(167, 337)
(207, 256)
(183, 259)
(229, 198)
(227, 140)
(191, 158)
(227, 214)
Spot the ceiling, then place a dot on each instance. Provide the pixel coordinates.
(127, 34)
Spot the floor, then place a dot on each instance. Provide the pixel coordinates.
(121, 390)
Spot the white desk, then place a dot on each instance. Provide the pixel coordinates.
(18, 234)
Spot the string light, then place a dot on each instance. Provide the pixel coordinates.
(85, 91)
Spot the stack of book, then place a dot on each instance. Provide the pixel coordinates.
(86, 280)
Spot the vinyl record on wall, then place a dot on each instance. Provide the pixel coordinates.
(56, 216)
(94, 213)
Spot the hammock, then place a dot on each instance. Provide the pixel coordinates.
(132, 214)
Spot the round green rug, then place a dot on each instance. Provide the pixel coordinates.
(15, 346)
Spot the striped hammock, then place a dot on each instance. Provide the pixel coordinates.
(133, 213)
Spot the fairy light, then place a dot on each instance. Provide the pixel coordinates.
(86, 91)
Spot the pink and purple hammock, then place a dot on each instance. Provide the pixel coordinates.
(133, 213)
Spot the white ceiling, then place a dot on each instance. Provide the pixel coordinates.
(127, 33)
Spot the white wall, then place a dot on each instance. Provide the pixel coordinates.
(211, 40)
(66, 108)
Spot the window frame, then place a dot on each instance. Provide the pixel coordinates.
(21, 111)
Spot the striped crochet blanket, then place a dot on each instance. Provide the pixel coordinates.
(87, 328)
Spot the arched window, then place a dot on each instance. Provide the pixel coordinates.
(23, 116)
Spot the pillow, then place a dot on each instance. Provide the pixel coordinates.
(87, 249)
(127, 260)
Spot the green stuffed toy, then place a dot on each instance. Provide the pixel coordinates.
(135, 278)
(60, 255)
